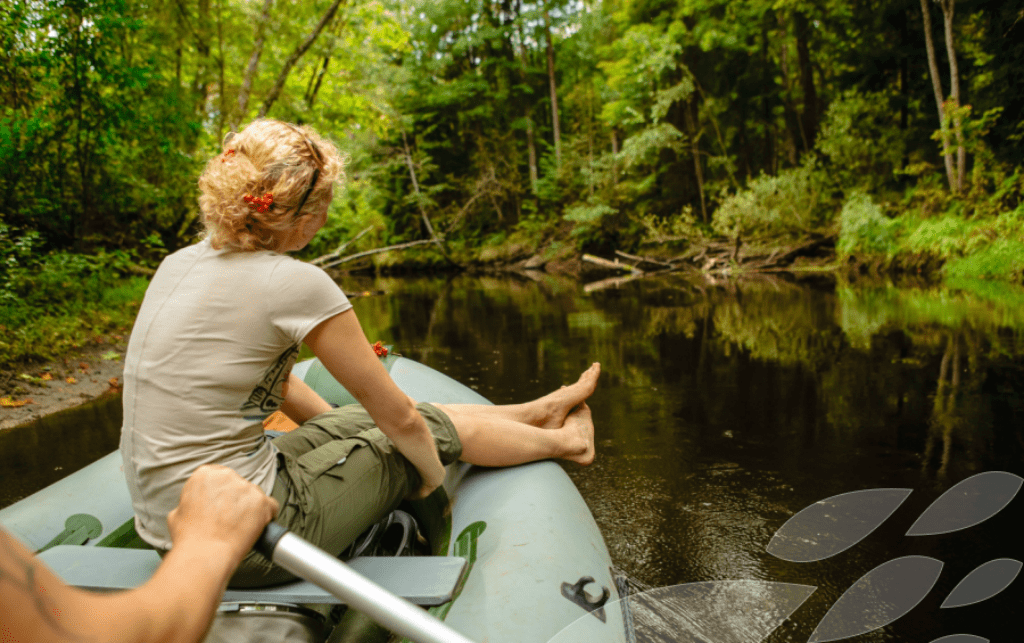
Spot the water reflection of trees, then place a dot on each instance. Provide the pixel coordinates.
(903, 370)
(971, 348)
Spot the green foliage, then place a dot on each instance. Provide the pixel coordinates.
(788, 204)
(644, 147)
(346, 218)
(633, 66)
(591, 221)
(864, 229)
(682, 226)
(588, 214)
(947, 236)
(52, 303)
(1000, 259)
(861, 138)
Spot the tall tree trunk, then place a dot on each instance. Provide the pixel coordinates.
(552, 85)
(767, 89)
(416, 188)
(590, 135)
(81, 224)
(694, 135)
(250, 69)
(954, 87)
(793, 126)
(933, 69)
(223, 109)
(615, 154)
(201, 82)
(905, 74)
(809, 121)
(275, 91)
(531, 145)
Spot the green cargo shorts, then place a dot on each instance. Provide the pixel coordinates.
(338, 474)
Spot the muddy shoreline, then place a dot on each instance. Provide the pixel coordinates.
(49, 387)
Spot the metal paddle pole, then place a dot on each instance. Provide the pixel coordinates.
(311, 563)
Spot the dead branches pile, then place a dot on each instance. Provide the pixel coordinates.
(710, 258)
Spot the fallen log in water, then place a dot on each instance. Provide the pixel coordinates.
(612, 265)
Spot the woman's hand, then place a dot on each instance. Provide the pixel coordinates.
(435, 480)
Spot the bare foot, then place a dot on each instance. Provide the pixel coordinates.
(581, 424)
(550, 411)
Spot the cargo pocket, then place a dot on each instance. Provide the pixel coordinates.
(322, 459)
(327, 460)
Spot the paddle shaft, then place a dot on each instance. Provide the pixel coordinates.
(307, 561)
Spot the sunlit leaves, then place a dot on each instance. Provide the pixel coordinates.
(633, 66)
(665, 98)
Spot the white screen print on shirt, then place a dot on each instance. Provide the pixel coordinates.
(268, 396)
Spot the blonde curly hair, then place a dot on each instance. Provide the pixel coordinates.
(293, 163)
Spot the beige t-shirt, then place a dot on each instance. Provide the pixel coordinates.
(215, 339)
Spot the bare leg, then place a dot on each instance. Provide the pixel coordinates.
(548, 412)
(495, 441)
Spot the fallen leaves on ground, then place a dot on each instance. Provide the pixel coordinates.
(111, 355)
(47, 376)
(70, 380)
(10, 403)
(114, 384)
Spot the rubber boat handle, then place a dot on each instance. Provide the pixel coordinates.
(578, 595)
(311, 563)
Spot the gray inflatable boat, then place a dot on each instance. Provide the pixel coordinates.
(517, 555)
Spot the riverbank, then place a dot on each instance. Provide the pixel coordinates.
(31, 392)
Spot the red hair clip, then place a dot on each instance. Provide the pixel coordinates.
(259, 203)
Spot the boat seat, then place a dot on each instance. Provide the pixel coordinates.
(422, 580)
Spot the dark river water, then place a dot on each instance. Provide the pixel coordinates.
(722, 411)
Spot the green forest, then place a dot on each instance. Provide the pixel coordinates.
(502, 130)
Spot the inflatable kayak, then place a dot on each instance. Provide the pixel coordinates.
(517, 555)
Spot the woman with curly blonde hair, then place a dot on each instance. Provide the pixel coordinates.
(212, 350)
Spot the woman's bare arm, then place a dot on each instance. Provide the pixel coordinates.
(219, 518)
(301, 403)
(342, 346)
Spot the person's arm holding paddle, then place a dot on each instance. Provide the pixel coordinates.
(217, 521)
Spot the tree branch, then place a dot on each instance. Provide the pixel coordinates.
(275, 91)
